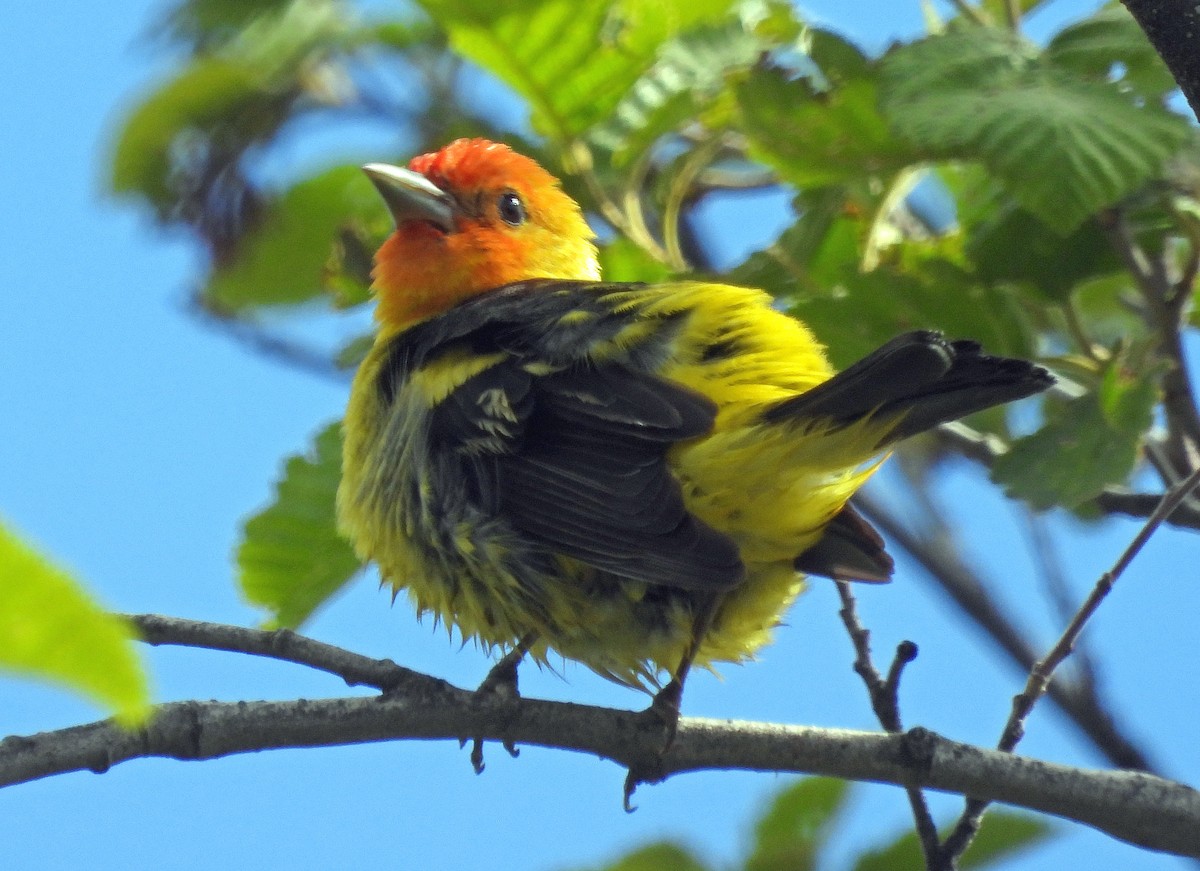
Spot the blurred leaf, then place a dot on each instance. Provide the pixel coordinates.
(1085, 445)
(812, 137)
(663, 856)
(573, 61)
(205, 23)
(1106, 305)
(1013, 245)
(1111, 44)
(176, 143)
(1000, 835)
(292, 558)
(865, 310)
(997, 10)
(622, 260)
(784, 268)
(689, 73)
(197, 99)
(286, 259)
(351, 354)
(1065, 146)
(796, 825)
(51, 629)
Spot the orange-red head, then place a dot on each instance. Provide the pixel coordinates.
(471, 217)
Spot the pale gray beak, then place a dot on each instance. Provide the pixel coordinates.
(412, 197)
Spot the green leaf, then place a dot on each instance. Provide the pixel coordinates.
(663, 856)
(201, 97)
(812, 137)
(1065, 146)
(796, 825)
(573, 60)
(622, 260)
(688, 75)
(50, 628)
(1086, 444)
(1111, 41)
(903, 854)
(287, 258)
(1013, 245)
(252, 68)
(208, 22)
(1001, 835)
(292, 558)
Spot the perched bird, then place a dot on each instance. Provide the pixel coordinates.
(636, 476)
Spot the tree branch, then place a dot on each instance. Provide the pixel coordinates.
(1077, 702)
(885, 701)
(1043, 670)
(1136, 807)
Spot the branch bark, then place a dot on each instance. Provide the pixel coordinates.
(1137, 807)
(1140, 808)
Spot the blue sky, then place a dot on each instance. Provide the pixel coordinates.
(135, 439)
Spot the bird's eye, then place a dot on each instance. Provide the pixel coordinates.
(512, 210)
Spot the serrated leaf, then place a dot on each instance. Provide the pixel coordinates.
(291, 558)
(814, 138)
(1065, 146)
(1086, 444)
(51, 629)
(864, 310)
(796, 825)
(1013, 245)
(285, 259)
(689, 73)
(1109, 43)
(573, 61)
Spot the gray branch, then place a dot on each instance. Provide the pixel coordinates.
(1140, 808)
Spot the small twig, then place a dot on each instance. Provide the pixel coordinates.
(1077, 330)
(1012, 15)
(282, 644)
(1080, 703)
(967, 10)
(1055, 582)
(681, 186)
(259, 340)
(1163, 299)
(1043, 670)
(885, 702)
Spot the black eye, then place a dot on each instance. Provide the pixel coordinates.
(512, 210)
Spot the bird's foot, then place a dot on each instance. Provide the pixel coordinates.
(499, 687)
(660, 722)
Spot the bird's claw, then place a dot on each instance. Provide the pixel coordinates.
(500, 685)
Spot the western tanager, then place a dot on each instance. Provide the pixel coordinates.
(637, 476)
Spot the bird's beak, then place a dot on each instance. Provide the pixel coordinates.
(412, 197)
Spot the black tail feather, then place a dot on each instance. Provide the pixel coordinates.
(919, 379)
(849, 550)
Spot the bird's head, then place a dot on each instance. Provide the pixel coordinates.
(471, 217)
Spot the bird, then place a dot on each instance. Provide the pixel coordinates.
(635, 476)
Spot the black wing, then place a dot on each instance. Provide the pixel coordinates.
(576, 461)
